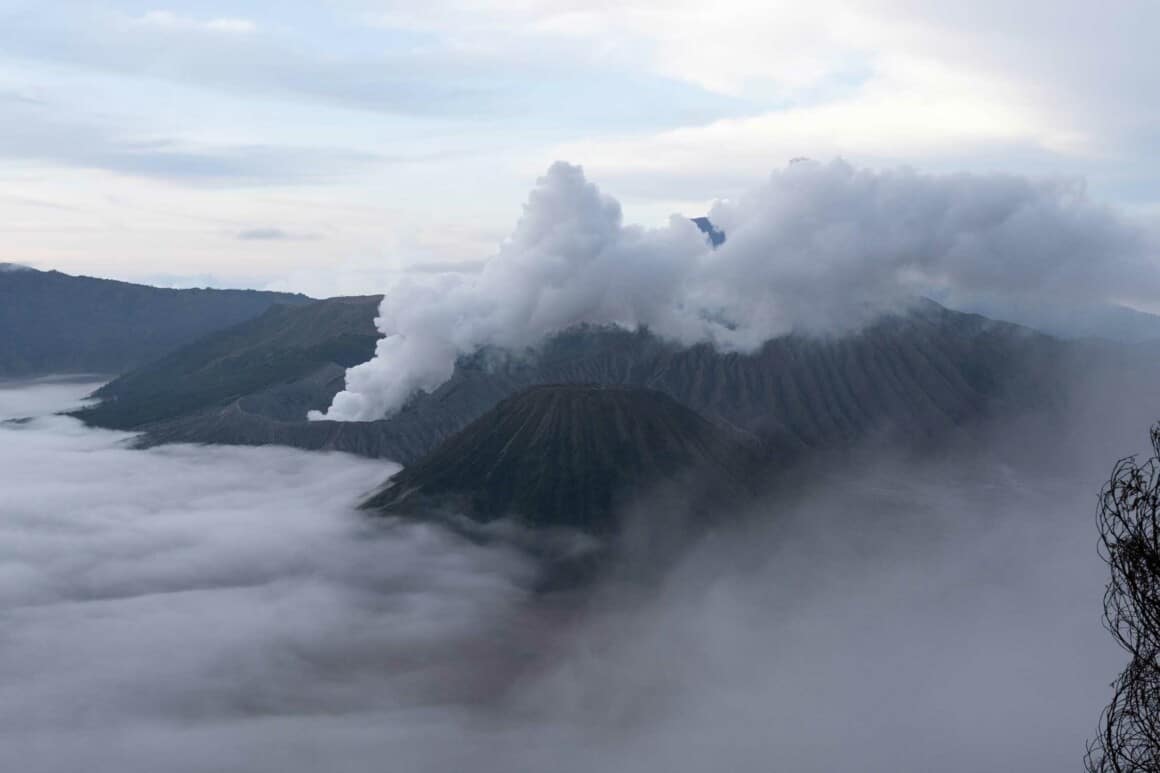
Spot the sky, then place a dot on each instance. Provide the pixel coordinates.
(331, 146)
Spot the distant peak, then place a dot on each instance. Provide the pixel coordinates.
(716, 235)
(15, 267)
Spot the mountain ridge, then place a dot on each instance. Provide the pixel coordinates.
(915, 374)
(52, 323)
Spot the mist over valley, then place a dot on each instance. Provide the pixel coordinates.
(637, 387)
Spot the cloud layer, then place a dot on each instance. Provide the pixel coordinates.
(202, 609)
(179, 593)
(818, 247)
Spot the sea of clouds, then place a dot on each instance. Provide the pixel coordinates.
(214, 608)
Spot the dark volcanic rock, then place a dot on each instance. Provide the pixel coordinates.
(54, 323)
(915, 375)
(716, 235)
(571, 455)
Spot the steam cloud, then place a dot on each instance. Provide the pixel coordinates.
(819, 247)
(195, 609)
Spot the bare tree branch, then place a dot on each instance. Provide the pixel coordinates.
(1129, 525)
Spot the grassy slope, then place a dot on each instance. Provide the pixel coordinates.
(283, 345)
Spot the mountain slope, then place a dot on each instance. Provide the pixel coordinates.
(916, 374)
(276, 364)
(569, 455)
(1072, 321)
(56, 323)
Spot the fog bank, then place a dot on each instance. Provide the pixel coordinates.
(205, 609)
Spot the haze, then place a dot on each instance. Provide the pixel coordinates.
(197, 609)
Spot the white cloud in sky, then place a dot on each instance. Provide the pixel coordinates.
(173, 21)
(668, 103)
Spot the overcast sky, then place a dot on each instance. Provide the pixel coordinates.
(324, 145)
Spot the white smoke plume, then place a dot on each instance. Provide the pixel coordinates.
(818, 247)
(570, 260)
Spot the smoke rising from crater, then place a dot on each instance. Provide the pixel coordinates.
(818, 247)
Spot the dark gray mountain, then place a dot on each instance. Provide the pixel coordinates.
(716, 235)
(253, 384)
(916, 374)
(572, 455)
(1071, 321)
(56, 323)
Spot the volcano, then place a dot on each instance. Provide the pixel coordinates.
(572, 456)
